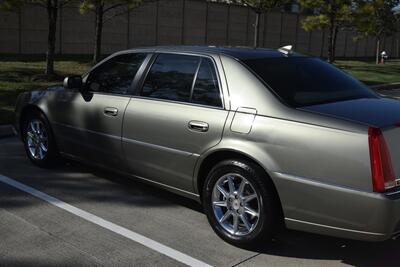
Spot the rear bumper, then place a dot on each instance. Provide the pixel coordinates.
(338, 211)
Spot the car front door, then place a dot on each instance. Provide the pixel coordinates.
(90, 123)
(177, 115)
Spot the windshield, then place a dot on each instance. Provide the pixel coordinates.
(305, 81)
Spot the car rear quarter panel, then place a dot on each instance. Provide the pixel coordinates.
(322, 175)
(320, 165)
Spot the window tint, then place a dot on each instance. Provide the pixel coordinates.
(304, 81)
(206, 89)
(171, 77)
(115, 75)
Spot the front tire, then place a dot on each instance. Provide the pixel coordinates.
(39, 142)
(240, 203)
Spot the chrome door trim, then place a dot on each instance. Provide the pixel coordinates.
(158, 147)
(314, 182)
(168, 187)
(86, 130)
(335, 228)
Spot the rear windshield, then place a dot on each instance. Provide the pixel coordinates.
(305, 81)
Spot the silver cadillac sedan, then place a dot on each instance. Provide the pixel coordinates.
(262, 138)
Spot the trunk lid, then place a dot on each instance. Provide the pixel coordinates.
(377, 112)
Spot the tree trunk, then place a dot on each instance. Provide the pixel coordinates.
(378, 50)
(52, 10)
(257, 30)
(331, 56)
(98, 33)
(335, 33)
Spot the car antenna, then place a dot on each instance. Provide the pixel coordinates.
(288, 49)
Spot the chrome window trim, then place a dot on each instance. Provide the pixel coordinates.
(109, 94)
(176, 102)
(200, 55)
(195, 79)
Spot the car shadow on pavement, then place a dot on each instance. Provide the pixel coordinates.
(139, 187)
(93, 185)
(288, 243)
(302, 245)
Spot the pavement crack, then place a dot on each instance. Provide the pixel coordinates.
(247, 259)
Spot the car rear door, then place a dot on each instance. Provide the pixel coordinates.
(89, 125)
(177, 115)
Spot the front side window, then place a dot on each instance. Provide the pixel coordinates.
(171, 77)
(115, 76)
(305, 81)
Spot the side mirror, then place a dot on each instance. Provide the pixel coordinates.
(73, 82)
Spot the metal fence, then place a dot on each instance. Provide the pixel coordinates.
(174, 22)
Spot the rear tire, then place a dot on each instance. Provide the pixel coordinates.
(39, 142)
(241, 204)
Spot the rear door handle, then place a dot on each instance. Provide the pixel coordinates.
(198, 126)
(111, 111)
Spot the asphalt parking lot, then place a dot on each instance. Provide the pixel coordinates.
(35, 232)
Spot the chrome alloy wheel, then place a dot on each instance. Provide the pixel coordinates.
(236, 204)
(37, 139)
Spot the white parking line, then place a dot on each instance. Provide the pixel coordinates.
(147, 242)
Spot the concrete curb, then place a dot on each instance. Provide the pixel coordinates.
(6, 131)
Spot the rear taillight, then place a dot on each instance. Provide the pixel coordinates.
(383, 177)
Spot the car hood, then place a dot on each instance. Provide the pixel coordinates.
(378, 112)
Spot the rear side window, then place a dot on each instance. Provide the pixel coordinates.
(183, 78)
(171, 77)
(206, 88)
(115, 76)
(305, 81)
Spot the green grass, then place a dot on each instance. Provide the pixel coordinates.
(20, 73)
(372, 74)
(20, 76)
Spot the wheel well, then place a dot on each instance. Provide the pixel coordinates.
(29, 109)
(211, 160)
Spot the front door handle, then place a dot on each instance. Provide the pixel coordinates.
(111, 111)
(198, 126)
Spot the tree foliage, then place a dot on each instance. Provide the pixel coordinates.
(262, 6)
(111, 8)
(378, 19)
(104, 11)
(333, 15)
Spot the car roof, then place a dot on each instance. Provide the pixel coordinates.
(240, 53)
